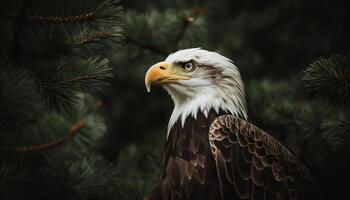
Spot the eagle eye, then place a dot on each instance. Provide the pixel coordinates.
(188, 66)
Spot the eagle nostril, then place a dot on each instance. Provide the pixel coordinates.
(162, 67)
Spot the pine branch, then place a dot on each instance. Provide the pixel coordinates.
(329, 79)
(59, 89)
(74, 129)
(95, 40)
(76, 30)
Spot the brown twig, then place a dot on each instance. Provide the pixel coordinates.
(78, 78)
(186, 22)
(59, 19)
(74, 129)
(93, 38)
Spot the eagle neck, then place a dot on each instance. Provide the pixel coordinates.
(200, 120)
(202, 104)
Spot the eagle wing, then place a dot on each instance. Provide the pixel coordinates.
(253, 165)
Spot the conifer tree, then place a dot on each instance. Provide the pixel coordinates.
(53, 63)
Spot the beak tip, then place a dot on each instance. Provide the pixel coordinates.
(148, 88)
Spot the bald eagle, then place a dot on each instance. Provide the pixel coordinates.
(211, 151)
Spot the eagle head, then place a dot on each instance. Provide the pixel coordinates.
(199, 80)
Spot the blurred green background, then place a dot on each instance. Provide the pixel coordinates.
(273, 40)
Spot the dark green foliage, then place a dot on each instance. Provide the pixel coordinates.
(52, 63)
(52, 125)
(56, 177)
(281, 111)
(337, 135)
(141, 167)
(20, 102)
(329, 78)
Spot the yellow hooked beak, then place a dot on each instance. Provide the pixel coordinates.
(162, 73)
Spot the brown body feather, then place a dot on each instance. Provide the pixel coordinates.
(221, 157)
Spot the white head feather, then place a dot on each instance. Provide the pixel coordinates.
(215, 84)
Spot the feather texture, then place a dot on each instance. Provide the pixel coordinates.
(254, 165)
(189, 170)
